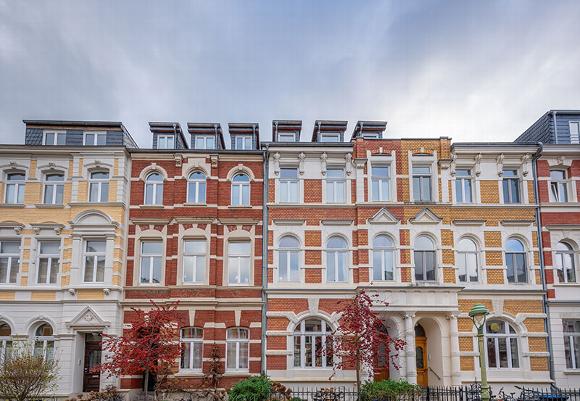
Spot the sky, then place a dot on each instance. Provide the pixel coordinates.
(470, 70)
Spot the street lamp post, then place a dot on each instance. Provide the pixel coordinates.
(478, 314)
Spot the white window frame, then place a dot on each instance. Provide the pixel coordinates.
(301, 333)
(56, 187)
(235, 262)
(10, 258)
(573, 338)
(19, 187)
(166, 140)
(99, 183)
(193, 185)
(372, 135)
(559, 265)
(56, 134)
(576, 137)
(424, 270)
(192, 341)
(151, 257)
(237, 342)
(96, 135)
(561, 187)
(153, 185)
(243, 141)
(383, 182)
(335, 186)
(330, 137)
(337, 254)
(526, 262)
(195, 256)
(238, 186)
(463, 255)
(421, 177)
(5, 342)
(281, 136)
(45, 340)
(53, 260)
(292, 186)
(203, 141)
(95, 255)
(287, 253)
(518, 180)
(461, 182)
(386, 252)
(509, 337)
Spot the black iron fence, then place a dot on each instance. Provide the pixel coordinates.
(464, 393)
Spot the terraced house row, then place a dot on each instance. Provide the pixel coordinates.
(260, 242)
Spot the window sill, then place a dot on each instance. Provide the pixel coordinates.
(151, 206)
(14, 205)
(236, 372)
(189, 373)
(195, 204)
(240, 206)
(571, 371)
(48, 206)
(564, 285)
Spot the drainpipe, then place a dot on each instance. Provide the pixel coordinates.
(266, 155)
(555, 127)
(547, 325)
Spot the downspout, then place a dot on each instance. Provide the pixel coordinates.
(266, 155)
(547, 325)
(555, 127)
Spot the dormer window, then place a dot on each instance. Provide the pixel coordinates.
(242, 142)
(287, 137)
(95, 138)
(54, 138)
(204, 142)
(574, 131)
(372, 135)
(165, 142)
(329, 137)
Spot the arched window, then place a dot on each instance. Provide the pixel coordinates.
(241, 190)
(237, 348)
(515, 257)
(54, 188)
(467, 260)
(192, 348)
(154, 189)
(196, 187)
(336, 259)
(289, 259)
(194, 266)
(383, 257)
(44, 341)
(313, 344)
(501, 345)
(239, 262)
(564, 263)
(14, 193)
(425, 261)
(5, 341)
(99, 186)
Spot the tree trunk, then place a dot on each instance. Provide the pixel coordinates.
(146, 385)
(358, 375)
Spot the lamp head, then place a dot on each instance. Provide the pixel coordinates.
(478, 314)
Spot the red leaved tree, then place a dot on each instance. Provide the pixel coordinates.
(150, 347)
(360, 336)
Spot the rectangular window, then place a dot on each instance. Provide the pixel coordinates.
(574, 131)
(9, 261)
(287, 136)
(237, 349)
(463, 186)
(95, 138)
(239, 261)
(165, 142)
(151, 262)
(289, 187)
(572, 343)
(371, 135)
(559, 185)
(15, 188)
(48, 261)
(99, 186)
(335, 185)
(511, 186)
(330, 137)
(95, 251)
(54, 189)
(54, 138)
(380, 183)
(243, 142)
(191, 348)
(204, 142)
(422, 184)
(194, 252)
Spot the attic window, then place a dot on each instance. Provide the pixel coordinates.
(242, 142)
(371, 135)
(165, 142)
(95, 138)
(204, 142)
(54, 138)
(574, 131)
(287, 137)
(329, 137)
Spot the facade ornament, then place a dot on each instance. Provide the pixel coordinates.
(12, 164)
(500, 164)
(18, 229)
(478, 164)
(323, 158)
(106, 291)
(560, 160)
(72, 291)
(178, 159)
(301, 158)
(276, 158)
(213, 160)
(52, 165)
(525, 159)
(348, 158)
(452, 165)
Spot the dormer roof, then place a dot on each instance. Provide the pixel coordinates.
(169, 128)
(363, 128)
(206, 129)
(286, 126)
(245, 129)
(328, 126)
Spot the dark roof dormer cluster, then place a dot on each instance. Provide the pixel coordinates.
(244, 136)
(329, 131)
(369, 129)
(286, 131)
(206, 136)
(167, 135)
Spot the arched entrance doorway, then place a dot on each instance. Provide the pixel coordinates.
(421, 356)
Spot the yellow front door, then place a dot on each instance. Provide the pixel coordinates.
(421, 361)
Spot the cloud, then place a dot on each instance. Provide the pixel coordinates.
(470, 70)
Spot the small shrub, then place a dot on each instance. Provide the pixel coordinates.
(386, 389)
(255, 388)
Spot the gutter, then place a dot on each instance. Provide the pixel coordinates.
(547, 322)
(265, 185)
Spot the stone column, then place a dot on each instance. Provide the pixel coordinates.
(454, 345)
(410, 347)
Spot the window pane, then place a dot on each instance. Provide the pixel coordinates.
(100, 268)
(459, 190)
(188, 265)
(461, 267)
(430, 265)
(89, 268)
(419, 266)
(11, 247)
(331, 266)
(297, 353)
(503, 356)
(94, 192)
(42, 270)
(231, 351)
(421, 170)
(158, 194)
(95, 246)
(467, 192)
(377, 265)
(151, 247)
(335, 173)
(48, 191)
(509, 259)
(200, 272)
(491, 357)
(156, 270)
(289, 173)
(294, 266)
(416, 188)
(568, 344)
(514, 351)
(245, 195)
(521, 268)
(425, 189)
(240, 248)
(283, 266)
